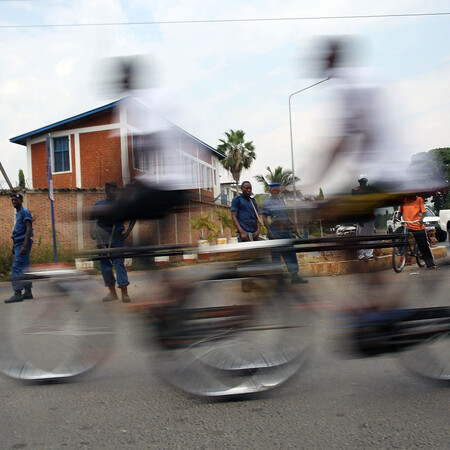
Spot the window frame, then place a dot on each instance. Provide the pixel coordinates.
(68, 150)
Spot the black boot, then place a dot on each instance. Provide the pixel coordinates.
(296, 279)
(17, 297)
(27, 295)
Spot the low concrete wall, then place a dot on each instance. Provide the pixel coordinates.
(355, 266)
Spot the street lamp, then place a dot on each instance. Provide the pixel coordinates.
(292, 145)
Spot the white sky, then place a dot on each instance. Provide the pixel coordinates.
(225, 75)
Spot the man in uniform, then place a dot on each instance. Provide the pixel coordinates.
(22, 242)
(280, 228)
(109, 234)
(365, 227)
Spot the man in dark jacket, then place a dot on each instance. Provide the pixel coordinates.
(22, 242)
(109, 234)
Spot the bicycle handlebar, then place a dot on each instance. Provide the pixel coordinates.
(411, 221)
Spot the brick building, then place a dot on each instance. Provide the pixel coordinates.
(102, 145)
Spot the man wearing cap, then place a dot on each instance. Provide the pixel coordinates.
(22, 242)
(280, 228)
(365, 227)
(109, 234)
(244, 212)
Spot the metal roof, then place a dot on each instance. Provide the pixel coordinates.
(22, 139)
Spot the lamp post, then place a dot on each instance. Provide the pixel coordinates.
(292, 145)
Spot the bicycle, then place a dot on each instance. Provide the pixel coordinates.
(212, 338)
(407, 248)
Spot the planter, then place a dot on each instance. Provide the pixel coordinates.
(203, 246)
(189, 257)
(83, 264)
(162, 260)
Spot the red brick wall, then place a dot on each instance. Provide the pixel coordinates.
(204, 155)
(65, 207)
(39, 169)
(101, 161)
(39, 163)
(104, 118)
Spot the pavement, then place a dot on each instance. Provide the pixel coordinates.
(330, 403)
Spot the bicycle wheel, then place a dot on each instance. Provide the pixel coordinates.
(249, 354)
(58, 335)
(430, 356)
(419, 258)
(399, 257)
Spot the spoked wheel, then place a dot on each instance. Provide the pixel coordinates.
(59, 336)
(419, 258)
(429, 355)
(399, 257)
(431, 359)
(262, 346)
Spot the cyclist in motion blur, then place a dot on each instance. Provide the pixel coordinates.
(366, 139)
(366, 143)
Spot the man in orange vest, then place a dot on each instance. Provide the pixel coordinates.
(413, 210)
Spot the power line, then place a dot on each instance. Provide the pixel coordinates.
(213, 21)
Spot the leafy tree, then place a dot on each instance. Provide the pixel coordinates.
(279, 175)
(432, 170)
(21, 179)
(239, 154)
(320, 196)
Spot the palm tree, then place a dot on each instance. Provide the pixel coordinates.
(279, 175)
(239, 154)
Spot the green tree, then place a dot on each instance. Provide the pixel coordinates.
(320, 196)
(21, 179)
(279, 175)
(239, 154)
(432, 170)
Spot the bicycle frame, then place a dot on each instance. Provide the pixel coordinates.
(199, 337)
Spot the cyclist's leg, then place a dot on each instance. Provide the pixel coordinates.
(422, 242)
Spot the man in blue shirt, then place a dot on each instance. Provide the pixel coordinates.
(244, 214)
(109, 234)
(280, 228)
(22, 242)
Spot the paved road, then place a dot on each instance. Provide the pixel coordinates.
(332, 403)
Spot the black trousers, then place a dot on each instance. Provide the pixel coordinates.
(424, 247)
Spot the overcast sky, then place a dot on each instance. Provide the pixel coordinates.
(230, 75)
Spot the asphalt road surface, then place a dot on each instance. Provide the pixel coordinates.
(331, 403)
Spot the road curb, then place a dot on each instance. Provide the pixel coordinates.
(356, 266)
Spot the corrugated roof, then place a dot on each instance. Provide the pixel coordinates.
(22, 139)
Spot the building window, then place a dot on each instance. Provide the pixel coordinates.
(190, 171)
(61, 154)
(145, 153)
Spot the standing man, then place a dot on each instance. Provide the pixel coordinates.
(22, 242)
(280, 228)
(110, 235)
(413, 209)
(244, 212)
(364, 227)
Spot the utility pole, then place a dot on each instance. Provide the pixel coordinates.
(2, 170)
